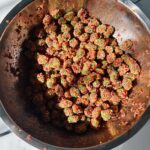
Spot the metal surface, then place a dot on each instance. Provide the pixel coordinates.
(138, 12)
(13, 97)
(135, 1)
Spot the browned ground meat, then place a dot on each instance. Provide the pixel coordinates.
(127, 45)
(80, 75)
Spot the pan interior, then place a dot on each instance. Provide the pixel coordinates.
(13, 71)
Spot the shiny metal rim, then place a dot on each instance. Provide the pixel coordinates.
(39, 144)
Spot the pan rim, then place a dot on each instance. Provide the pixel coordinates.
(137, 12)
(40, 144)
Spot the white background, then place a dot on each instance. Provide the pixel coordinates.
(141, 141)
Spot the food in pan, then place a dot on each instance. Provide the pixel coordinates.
(79, 73)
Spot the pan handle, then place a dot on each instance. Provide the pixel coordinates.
(5, 131)
(138, 12)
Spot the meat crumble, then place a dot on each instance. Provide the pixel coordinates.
(79, 71)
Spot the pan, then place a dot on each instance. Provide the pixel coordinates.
(130, 23)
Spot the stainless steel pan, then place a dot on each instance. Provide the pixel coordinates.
(129, 21)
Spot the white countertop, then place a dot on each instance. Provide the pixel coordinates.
(141, 141)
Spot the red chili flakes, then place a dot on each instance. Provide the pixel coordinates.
(29, 137)
(44, 148)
